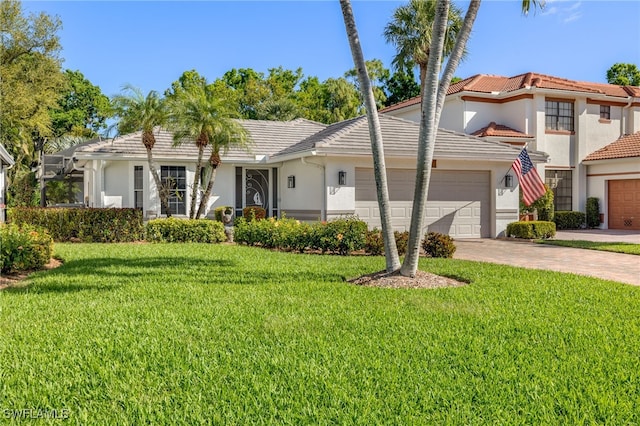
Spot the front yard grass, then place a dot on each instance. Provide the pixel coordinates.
(627, 248)
(201, 334)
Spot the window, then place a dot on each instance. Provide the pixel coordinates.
(174, 178)
(138, 187)
(560, 182)
(605, 112)
(559, 115)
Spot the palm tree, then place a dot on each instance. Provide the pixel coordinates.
(433, 97)
(391, 251)
(411, 31)
(144, 113)
(229, 133)
(200, 113)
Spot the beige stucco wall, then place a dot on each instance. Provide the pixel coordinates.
(599, 174)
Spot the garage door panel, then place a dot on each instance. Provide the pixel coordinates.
(624, 204)
(458, 202)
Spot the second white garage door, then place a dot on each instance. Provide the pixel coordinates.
(458, 202)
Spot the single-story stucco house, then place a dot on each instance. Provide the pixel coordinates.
(311, 171)
(6, 162)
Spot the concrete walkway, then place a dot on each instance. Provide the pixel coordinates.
(619, 267)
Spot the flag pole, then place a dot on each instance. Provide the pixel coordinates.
(504, 175)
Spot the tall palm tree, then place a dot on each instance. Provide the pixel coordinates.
(200, 113)
(391, 251)
(229, 133)
(411, 31)
(433, 97)
(137, 112)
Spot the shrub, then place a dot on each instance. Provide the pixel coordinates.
(435, 244)
(544, 205)
(593, 212)
(569, 220)
(402, 239)
(343, 235)
(374, 243)
(174, 230)
(24, 248)
(531, 230)
(338, 236)
(89, 225)
(254, 213)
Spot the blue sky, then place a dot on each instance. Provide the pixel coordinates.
(150, 43)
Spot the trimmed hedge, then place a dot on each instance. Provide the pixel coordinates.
(531, 230)
(435, 244)
(89, 225)
(24, 248)
(174, 230)
(569, 220)
(341, 236)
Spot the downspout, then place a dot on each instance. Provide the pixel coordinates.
(323, 212)
(623, 120)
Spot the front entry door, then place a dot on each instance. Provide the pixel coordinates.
(257, 188)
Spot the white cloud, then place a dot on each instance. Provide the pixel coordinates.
(566, 11)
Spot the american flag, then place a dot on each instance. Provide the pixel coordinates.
(530, 182)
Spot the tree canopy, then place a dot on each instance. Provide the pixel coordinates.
(82, 109)
(624, 75)
(31, 79)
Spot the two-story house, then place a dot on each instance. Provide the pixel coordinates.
(591, 132)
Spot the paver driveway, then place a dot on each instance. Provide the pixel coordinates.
(611, 266)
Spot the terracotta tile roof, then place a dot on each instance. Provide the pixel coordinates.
(483, 83)
(626, 146)
(413, 101)
(494, 84)
(500, 130)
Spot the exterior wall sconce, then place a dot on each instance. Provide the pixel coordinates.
(508, 181)
(342, 178)
(291, 181)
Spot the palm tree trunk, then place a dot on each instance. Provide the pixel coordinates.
(159, 186)
(214, 160)
(426, 140)
(379, 168)
(196, 182)
(433, 106)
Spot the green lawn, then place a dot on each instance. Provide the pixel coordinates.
(194, 334)
(627, 248)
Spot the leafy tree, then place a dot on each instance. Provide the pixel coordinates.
(624, 75)
(137, 112)
(82, 108)
(401, 86)
(201, 112)
(361, 70)
(342, 100)
(412, 32)
(29, 85)
(378, 74)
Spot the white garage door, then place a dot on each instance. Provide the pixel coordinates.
(458, 202)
